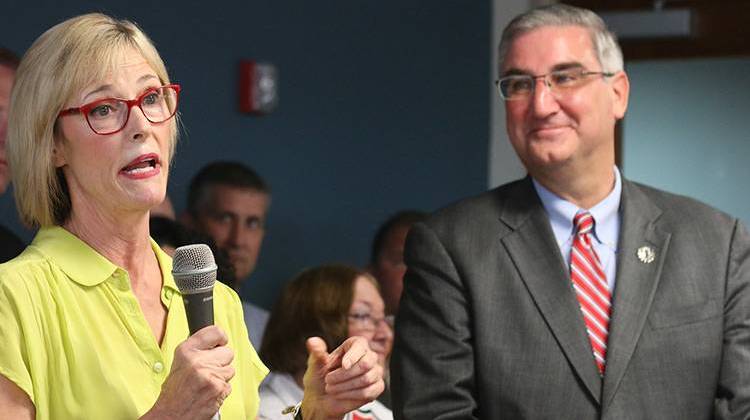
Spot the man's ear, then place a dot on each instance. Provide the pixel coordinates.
(621, 91)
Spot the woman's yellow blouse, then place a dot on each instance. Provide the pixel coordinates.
(73, 336)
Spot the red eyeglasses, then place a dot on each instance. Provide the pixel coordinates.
(110, 115)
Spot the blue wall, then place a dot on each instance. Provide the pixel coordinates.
(383, 106)
(686, 129)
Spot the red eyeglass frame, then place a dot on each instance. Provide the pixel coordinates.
(85, 108)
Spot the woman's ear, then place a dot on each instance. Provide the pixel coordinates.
(58, 152)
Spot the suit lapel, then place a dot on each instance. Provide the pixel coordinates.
(636, 282)
(530, 243)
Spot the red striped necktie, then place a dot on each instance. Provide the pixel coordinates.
(590, 284)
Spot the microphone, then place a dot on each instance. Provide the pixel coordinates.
(194, 272)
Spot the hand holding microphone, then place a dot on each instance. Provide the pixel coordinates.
(198, 381)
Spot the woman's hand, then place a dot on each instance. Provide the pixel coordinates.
(341, 381)
(198, 382)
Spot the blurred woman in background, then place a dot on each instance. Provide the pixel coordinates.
(334, 302)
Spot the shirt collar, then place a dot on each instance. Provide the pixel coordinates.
(561, 213)
(83, 264)
(165, 265)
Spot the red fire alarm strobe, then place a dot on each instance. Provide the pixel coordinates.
(258, 87)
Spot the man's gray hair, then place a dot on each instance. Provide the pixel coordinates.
(604, 41)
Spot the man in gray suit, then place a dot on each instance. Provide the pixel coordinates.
(573, 293)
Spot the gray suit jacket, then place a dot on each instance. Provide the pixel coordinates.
(489, 326)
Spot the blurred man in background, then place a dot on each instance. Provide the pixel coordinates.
(228, 201)
(387, 256)
(10, 244)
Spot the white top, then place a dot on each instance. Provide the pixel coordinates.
(279, 391)
(256, 319)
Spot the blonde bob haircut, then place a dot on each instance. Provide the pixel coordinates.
(63, 61)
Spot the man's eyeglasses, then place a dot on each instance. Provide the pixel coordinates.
(521, 86)
(365, 320)
(110, 115)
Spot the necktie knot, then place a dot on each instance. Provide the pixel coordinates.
(583, 222)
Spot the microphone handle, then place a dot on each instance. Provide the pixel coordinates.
(199, 308)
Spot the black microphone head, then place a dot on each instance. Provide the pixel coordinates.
(194, 269)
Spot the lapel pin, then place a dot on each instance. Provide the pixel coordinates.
(646, 254)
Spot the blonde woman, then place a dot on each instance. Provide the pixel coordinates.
(91, 323)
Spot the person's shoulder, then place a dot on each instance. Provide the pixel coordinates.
(29, 263)
(276, 380)
(283, 386)
(254, 310)
(677, 208)
(484, 208)
(29, 274)
(278, 391)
